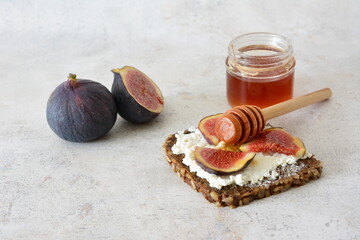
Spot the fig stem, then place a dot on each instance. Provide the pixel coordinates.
(72, 79)
(116, 70)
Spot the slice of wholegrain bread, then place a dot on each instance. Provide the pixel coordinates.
(235, 195)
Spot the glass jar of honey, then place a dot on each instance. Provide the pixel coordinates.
(259, 70)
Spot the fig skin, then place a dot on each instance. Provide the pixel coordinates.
(127, 104)
(80, 110)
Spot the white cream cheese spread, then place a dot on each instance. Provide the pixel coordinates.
(262, 166)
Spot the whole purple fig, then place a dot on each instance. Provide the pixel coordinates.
(81, 110)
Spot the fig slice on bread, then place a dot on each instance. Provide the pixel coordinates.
(222, 162)
(275, 140)
(207, 128)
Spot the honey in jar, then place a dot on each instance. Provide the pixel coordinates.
(260, 70)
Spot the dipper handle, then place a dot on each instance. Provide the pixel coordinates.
(296, 103)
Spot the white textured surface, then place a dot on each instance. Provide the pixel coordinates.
(121, 187)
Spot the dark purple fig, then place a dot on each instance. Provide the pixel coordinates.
(81, 110)
(138, 98)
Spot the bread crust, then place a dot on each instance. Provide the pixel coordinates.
(234, 195)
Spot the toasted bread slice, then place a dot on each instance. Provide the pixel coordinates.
(235, 195)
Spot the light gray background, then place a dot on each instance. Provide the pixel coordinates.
(121, 187)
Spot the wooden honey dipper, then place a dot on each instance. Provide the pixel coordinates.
(242, 123)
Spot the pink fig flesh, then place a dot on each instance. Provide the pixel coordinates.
(222, 162)
(207, 128)
(275, 140)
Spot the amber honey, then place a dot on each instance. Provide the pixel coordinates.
(260, 70)
(241, 91)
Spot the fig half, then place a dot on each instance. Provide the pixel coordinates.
(222, 162)
(138, 98)
(275, 140)
(81, 110)
(207, 128)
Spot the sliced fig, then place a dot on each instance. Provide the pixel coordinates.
(138, 98)
(81, 110)
(207, 128)
(275, 140)
(222, 162)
